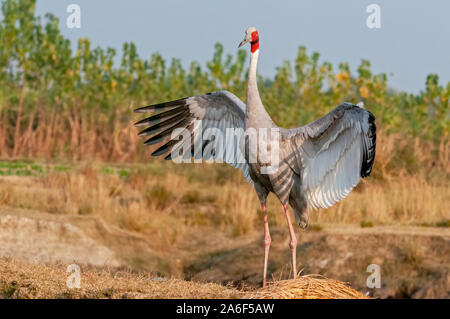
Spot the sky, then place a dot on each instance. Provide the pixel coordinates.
(413, 39)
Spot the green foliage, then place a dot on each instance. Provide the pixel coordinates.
(42, 81)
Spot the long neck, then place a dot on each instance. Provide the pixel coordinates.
(252, 85)
(256, 112)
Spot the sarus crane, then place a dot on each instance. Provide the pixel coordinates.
(317, 165)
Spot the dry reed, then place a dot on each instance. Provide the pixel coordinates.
(306, 287)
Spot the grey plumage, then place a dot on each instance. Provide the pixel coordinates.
(315, 154)
(319, 163)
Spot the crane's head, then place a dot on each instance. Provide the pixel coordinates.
(252, 37)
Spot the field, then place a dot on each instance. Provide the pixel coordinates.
(78, 186)
(193, 223)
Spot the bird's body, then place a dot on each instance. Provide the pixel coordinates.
(314, 166)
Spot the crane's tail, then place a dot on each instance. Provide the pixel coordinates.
(369, 142)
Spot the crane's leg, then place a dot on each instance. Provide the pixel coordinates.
(293, 242)
(267, 241)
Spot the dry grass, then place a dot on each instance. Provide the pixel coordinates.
(410, 185)
(171, 200)
(22, 280)
(19, 280)
(171, 207)
(307, 287)
(410, 200)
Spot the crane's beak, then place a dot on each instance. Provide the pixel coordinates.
(243, 42)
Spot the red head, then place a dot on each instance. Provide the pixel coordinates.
(252, 37)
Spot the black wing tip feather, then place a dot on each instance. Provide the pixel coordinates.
(369, 153)
(164, 124)
(159, 137)
(161, 106)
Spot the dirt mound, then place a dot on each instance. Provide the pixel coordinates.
(307, 287)
(40, 240)
(33, 236)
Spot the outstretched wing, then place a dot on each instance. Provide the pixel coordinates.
(205, 118)
(333, 153)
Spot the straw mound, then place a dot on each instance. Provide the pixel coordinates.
(307, 287)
